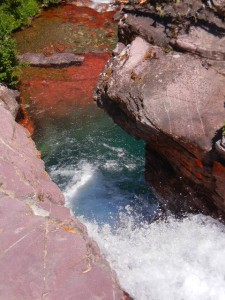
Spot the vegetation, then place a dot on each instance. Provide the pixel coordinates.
(14, 14)
(8, 62)
(223, 130)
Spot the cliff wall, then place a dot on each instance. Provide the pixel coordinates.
(165, 84)
(45, 252)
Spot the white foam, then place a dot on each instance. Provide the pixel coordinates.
(112, 165)
(81, 177)
(166, 260)
(130, 166)
(120, 151)
(100, 6)
(67, 172)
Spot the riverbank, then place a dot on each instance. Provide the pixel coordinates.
(46, 251)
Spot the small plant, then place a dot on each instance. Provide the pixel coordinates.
(223, 130)
(160, 10)
(9, 66)
(14, 14)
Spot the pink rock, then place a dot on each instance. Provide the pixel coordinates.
(8, 99)
(45, 253)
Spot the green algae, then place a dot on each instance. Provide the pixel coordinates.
(69, 30)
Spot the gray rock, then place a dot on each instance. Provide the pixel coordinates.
(167, 87)
(171, 93)
(55, 60)
(9, 100)
(201, 42)
(219, 5)
(132, 25)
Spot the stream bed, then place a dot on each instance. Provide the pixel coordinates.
(100, 168)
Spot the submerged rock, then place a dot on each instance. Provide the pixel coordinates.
(54, 60)
(166, 86)
(45, 251)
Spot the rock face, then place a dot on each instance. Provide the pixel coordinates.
(165, 84)
(8, 100)
(45, 252)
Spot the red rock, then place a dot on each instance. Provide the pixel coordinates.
(218, 170)
(24, 119)
(45, 252)
(48, 88)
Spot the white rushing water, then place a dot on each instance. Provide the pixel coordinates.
(98, 5)
(162, 260)
(167, 259)
(171, 259)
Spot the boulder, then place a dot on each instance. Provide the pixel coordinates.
(167, 87)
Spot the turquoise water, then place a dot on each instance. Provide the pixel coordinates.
(98, 166)
(100, 170)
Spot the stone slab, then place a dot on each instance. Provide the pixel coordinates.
(54, 60)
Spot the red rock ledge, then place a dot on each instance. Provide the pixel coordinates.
(45, 252)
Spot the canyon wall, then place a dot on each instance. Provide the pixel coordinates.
(45, 252)
(165, 84)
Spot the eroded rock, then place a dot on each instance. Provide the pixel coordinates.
(8, 100)
(172, 98)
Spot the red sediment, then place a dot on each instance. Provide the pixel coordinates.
(57, 91)
(78, 14)
(126, 296)
(24, 119)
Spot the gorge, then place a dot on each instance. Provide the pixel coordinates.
(100, 169)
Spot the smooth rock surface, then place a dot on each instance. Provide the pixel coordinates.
(172, 98)
(202, 42)
(54, 60)
(7, 100)
(45, 252)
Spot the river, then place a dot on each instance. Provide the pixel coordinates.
(100, 168)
